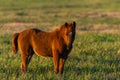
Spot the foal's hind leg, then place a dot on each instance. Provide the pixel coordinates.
(30, 54)
(24, 62)
(26, 57)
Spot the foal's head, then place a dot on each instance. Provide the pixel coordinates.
(68, 32)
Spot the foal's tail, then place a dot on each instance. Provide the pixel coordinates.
(15, 43)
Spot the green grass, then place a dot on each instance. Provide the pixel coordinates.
(94, 57)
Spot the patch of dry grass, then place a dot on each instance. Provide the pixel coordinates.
(99, 28)
(10, 28)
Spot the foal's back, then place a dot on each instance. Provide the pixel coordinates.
(39, 41)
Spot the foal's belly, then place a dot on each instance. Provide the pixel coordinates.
(43, 52)
(41, 44)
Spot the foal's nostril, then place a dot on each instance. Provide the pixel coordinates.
(70, 33)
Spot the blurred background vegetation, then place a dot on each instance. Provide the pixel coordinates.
(97, 15)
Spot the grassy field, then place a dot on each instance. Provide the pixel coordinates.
(96, 51)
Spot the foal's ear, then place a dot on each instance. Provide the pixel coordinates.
(66, 24)
(74, 24)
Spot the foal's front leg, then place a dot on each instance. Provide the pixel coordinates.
(61, 65)
(56, 62)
